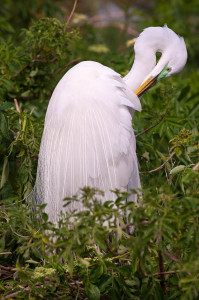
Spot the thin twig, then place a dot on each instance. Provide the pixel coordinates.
(141, 270)
(6, 268)
(29, 98)
(18, 110)
(45, 61)
(26, 66)
(17, 106)
(71, 14)
(17, 293)
(23, 236)
(115, 231)
(162, 271)
(171, 256)
(145, 222)
(156, 124)
(68, 64)
(165, 170)
(5, 253)
(21, 70)
(162, 166)
(167, 272)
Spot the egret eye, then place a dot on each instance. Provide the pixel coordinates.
(168, 69)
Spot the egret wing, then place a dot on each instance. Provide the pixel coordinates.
(88, 138)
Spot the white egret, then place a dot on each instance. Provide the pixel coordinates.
(88, 139)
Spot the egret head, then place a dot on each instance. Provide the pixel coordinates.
(172, 61)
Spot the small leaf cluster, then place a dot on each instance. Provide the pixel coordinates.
(27, 70)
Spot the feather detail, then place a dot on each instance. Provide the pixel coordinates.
(88, 138)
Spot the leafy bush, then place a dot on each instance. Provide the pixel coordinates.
(82, 258)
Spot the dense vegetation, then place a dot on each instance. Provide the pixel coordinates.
(85, 260)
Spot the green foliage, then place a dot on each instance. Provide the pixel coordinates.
(81, 258)
(27, 70)
(18, 14)
(26, 74)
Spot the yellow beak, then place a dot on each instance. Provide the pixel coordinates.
(146, 85)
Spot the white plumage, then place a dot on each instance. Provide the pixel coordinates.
(88, 139)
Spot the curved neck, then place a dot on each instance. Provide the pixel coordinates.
(150, 41)
(142, 66)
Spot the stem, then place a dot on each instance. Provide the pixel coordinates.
(17, 293)
(68, 64)
(115, 231)
(171, 256)
(6, 268)
(72, 12)
(162, 166)
(166, 273)
(162, 271)
(119, 256)
(156, 124)
(141, 270)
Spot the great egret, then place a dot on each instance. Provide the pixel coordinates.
(88, 139)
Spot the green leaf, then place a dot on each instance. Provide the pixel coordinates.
(96, 272)
(5, 172)
(184, 93)
(4, 125)
(93, 292)
(100, 240)
(26, 94)
(45, 217)
(70, 264)
(106, 281)
(6, 105)
(177, 169)
(34, 72)
(194, 110)
(31, 261)
(2, 243)
(8, 84)
(23, 276)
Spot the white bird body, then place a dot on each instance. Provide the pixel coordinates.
(88, 139)
(87, 142)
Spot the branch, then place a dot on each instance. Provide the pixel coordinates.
(5, 253)
(45, 60)
(162, 166)
(162, 271)
(21, 70)
(115, 231)
(29, 98)
(17, 105)
(68, 64)
(141, 270)
(37, 95)
(17, 293)
(156, 124)
(35, 60)
(71, 14)
(6, 268)
(171, 256)
(165, 273)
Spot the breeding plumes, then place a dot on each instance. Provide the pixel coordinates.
(88, 139)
